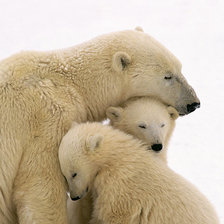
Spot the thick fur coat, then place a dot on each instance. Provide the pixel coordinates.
(41, 93)
(128, 183)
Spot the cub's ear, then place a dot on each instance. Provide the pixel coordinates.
(114, 113)
(93, 142)
(121, 60)
(173, 112)
(138, 28)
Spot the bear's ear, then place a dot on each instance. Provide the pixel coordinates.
(173, 112)
(121, 60)
(138, 28)
(114, 113)
(93, 142)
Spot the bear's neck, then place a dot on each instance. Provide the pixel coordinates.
(85, 67)
(100, 88)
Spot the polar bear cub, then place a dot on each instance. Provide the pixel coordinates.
(129, 184)
(148, 119)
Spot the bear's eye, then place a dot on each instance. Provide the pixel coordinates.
(162, 125)
(74, 175)
(142, 126)
(168, 77)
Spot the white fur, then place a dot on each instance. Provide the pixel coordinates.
(41, 93)
(128, 183)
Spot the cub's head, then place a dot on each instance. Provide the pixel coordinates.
(75, 156)
(147, 119)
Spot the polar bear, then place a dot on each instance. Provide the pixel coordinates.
(148, 119)
(42, 93)
(128, 183)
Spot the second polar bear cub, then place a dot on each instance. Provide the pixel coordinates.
(129, 184)
(148, 119)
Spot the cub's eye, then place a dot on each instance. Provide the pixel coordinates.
(168, 77)
(74, 175)
(142, 126)
(162, 125)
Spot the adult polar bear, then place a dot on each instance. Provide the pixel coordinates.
(41, 93)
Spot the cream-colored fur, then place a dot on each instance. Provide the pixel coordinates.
(158, 121)
(129, 184)
(79, 212)
(146, 118)
(41, 93)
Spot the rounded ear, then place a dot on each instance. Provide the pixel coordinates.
(138, 28)
(114, 113)
(121, 60)
(173, 112)
(93, 142)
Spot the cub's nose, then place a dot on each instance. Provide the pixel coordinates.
(76, 198)
(157, 147)
(192, 107)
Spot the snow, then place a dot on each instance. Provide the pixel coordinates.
(192, 30)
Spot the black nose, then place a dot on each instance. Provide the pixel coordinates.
(192, 107)
(76, 198)
(157, 147)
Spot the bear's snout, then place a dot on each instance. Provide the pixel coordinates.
(192, 107)
(157, 147)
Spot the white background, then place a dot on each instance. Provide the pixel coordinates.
(192, 29)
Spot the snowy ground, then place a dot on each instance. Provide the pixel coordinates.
(192, 30)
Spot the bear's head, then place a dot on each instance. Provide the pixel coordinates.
(77, 166)
(147, 69)
(145, 118)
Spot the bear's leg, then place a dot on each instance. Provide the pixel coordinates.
(40, 190)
